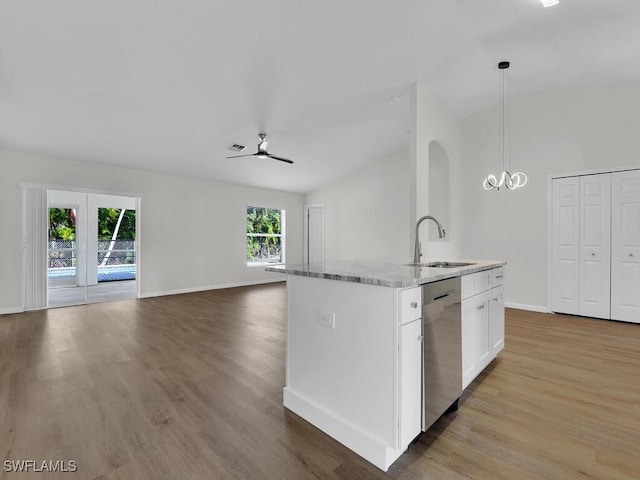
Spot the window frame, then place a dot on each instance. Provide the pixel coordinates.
(281, 236)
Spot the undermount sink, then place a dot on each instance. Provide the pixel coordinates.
(439, 264)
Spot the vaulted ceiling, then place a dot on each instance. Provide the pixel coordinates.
(166, 86)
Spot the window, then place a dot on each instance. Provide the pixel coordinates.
(265, 236)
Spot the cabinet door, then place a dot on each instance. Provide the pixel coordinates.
(496, 320)
(482, 321)
(565, 251)
(476, 350)
(595, 245)
(475, 336)
(410, 381)
(469, 343)
(625, 247)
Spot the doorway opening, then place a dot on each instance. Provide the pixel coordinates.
(92, 249)
(314, 234)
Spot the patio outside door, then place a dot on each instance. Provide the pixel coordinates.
(91, 248)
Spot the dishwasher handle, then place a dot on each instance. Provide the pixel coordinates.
(442, 296)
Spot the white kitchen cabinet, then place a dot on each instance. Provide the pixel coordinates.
(476, 283)
(595, 251)
(482, 321)
(410, 304)
(475, 336)
(625, 243)
(354, 357)
(469, 343)
(410, 381)
(496, 320)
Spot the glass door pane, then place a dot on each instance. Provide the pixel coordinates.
(66, 268)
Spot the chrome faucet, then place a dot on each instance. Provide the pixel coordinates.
(416, 251)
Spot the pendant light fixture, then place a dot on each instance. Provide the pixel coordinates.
(506, 179)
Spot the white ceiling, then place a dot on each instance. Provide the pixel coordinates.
(167, 85)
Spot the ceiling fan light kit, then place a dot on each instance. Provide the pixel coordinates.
(262, 152)
(506, 179)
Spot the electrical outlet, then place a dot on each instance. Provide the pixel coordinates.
(328, 319)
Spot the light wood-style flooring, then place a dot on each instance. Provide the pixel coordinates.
(190, 387)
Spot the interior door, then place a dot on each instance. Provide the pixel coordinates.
(565, 274)
(595, 245)
(625, 253)
(314, 235)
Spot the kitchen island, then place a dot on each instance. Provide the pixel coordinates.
(354, 346)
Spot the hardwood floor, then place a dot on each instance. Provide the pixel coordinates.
(190, 387)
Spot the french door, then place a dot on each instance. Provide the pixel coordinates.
(95, 255)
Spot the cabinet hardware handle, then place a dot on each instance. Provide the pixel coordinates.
(593, 254)
(480, 307)
(420, 338)
(498, 276)
(414, 304)
(495, 299)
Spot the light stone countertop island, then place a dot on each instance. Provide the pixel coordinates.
(354, 348)
(387, 272)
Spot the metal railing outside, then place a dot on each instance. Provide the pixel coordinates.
(115, 263)
(62, 253)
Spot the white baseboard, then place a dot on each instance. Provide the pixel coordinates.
(10, 310)
(345, 432)
(531, 308)
(209, 287)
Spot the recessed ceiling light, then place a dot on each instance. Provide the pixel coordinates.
(549, 3)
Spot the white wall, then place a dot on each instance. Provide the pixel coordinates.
(569, 131)
(367, 211)
(435, 129)
(192, 231)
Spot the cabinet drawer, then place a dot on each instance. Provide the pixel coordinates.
(476, 283)
(410, 304)
(497, 276)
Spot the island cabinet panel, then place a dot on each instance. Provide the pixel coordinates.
(355, 347)
(342, 363)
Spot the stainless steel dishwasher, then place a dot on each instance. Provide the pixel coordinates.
(442, 369)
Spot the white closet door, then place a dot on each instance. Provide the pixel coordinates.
(625, 252)
(595, 245)
(565, 278)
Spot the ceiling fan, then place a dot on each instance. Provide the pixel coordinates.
(262, 150)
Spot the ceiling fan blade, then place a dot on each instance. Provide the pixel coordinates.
(286, 160)
(247, 155)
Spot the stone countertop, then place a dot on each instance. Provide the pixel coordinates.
(386, 272)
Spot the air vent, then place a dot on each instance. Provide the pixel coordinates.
(235, 147)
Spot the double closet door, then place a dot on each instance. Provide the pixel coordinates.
(596, 246)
